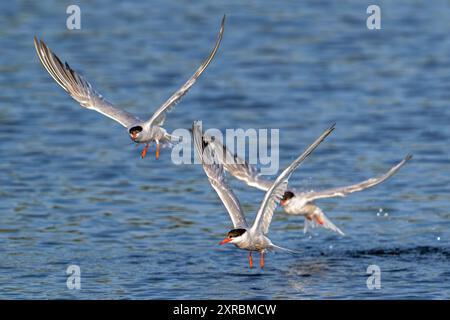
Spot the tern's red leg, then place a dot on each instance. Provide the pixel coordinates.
(144, 152)
(319, 220)
(250, 260)
(158, 146)
(261, 260)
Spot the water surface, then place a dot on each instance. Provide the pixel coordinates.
(74, 190)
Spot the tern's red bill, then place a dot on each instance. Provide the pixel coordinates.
(226, 240)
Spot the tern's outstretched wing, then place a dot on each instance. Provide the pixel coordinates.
(79, 88)
(276, 191)
(239, 168)
(160, 114)
(343, 191)
(216, 177)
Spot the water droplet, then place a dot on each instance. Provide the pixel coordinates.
(438, 238)
(380, 210)
(386, 214)
(331, 247)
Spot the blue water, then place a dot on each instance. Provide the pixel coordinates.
(74, 190)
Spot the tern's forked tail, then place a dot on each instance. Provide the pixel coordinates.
(318, 218)
(275, 247)
(172, 140)
(327, 224)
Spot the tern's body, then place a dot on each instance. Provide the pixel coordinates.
(295, 202)
(314, 216)
(140, 131)
(253, 242)
(250, 238)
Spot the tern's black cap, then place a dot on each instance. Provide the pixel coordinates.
(288, 195)
(136, 129)
(236, 233)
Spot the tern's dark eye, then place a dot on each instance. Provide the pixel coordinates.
(288, 195)
(135, 129)
(236, 233)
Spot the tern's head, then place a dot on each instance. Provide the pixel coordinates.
(288, 195)
(234, 236)
(135, 133)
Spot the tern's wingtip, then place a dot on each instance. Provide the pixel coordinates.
(222, 24)
(333, 126)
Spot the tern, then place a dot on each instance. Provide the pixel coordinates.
(250, 238)
(295, 202)
(140, 131)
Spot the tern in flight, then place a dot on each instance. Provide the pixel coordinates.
(295, 202)
(140, 131)
(250, 238)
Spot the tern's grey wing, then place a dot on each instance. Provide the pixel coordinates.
(239, 168)
(216, 177)
(276, 191)
(78, 88)
(343, 191)
(159, 116)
